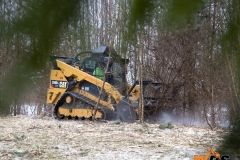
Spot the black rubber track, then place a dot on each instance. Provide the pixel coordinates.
(108, 114)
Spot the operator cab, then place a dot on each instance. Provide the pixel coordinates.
(89, 64)
(116, 74)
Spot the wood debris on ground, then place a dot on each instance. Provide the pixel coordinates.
(24, 137)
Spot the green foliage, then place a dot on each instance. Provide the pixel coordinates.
(230, 44)
(166, 125)
(141, 10)
(144, 125)
(20, 138)
(140, 13)
(182, 12)
(231, 143)
(117, 122)
(179, 14)
(83, 154)
(20, 154)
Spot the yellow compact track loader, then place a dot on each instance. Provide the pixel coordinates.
(75, 87)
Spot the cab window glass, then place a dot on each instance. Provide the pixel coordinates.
(90, 64)
(116, 70)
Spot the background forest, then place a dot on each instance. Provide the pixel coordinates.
(182, 44)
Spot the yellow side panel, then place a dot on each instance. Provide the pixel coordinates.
(54, 94)
(57, 75)
(58, 85)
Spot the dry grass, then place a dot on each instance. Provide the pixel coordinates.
(24, 137)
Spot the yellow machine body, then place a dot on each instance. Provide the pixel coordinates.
(70, 72)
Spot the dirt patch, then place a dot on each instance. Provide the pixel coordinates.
(24, 137)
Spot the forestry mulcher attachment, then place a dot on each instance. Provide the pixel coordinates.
(75, 87)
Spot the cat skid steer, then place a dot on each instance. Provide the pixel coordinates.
(74, 88)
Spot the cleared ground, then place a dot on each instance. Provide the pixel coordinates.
(24, 137)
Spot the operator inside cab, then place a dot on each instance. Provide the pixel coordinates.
(99, 70)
